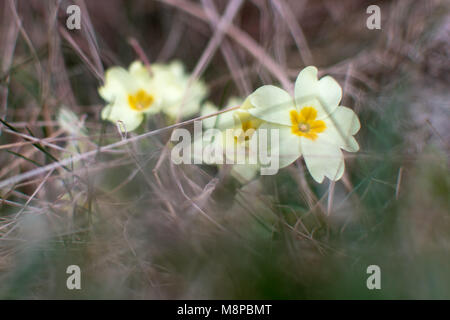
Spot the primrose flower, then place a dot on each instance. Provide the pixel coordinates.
(243, 125)
(130, 94)
(313, 124)
(178, 95)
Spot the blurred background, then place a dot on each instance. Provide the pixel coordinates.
(140, 227)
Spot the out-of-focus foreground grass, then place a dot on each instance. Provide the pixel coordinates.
(140, 227)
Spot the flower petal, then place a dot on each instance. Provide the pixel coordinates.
(271, 104)
(184, 100)
(288, 144)
(342, 124)
(322, 159)
(330, 92)
(172, 83)
(141, 76)
(130, 118)
(306, 83)
(207, 109)
(326, 91)
(117, 83)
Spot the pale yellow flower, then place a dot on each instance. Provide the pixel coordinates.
(313, 124)
(243, 125)
(179, 97)
(130, 95)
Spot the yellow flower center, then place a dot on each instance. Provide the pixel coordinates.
(303, 127)
(141, 100)
(247, 123)
(304, 123)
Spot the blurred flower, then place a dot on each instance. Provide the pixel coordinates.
(312, 124)
(130, 95)
(178, 95)
(242, 125)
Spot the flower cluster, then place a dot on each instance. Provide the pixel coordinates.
(131, 94)
(311, 124)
